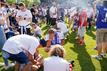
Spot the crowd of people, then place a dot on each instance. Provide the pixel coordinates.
(21, 35)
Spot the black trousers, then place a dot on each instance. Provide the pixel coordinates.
(53, 21)
(25, 31)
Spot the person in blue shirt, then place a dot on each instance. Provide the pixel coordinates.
(101, 26)
(52, 38)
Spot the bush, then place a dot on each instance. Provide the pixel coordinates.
(27, 2)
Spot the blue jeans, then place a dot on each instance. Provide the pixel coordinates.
(2, 38)
(5, 57)
(20, 57)
(10, 34)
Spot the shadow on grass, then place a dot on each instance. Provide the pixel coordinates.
(91, 34)
(83, 58)
(71, 38)
(45, 29)
(103, 64)
(10, 69)
(45, 32)
(0, 53)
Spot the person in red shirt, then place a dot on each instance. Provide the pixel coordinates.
(82, 25)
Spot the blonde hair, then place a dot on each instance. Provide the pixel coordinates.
(57, 50)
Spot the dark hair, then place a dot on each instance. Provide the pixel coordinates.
(21, 4)
(33, 5)
(43, 42)
(2, 3)
(6, 6)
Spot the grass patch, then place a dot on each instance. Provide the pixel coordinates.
(80, 54)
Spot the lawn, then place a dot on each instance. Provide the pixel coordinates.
(80, 54)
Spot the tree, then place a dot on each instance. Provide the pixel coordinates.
(27, 2)
(11, 1)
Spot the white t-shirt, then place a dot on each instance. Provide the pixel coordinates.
(53, 12)
(44, 11)
(14, 11)
(90, 12)
(62, 27)
(55, 64)
(38, 30)
(27, 14)
(20, 43)
(61, 36)
(65, 12)
(4, 10)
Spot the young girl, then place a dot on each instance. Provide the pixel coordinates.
(82, 26)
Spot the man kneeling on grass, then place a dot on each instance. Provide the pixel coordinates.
(21, 48)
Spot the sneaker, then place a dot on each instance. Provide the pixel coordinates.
(103, 55)
(95, 48)
(98, 57)
(77, 38)
(81, 43)
(10, 65)
(6, 67)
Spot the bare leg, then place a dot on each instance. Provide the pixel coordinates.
(34, 68)
(105, 47)
(99, 48)
(78, 38)
(26, 67)
(17, 66)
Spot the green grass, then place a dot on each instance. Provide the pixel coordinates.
(80, 54)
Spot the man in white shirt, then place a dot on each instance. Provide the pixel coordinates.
(53, 14)
(24, 18)
(61, 25)
(20, 48)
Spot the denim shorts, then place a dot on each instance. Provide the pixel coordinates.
(20, 57)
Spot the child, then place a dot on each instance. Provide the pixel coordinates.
(36, 30)
(82, 26)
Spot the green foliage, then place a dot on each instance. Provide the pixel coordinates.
(11, 1)
(36, 1)
(27, 2)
